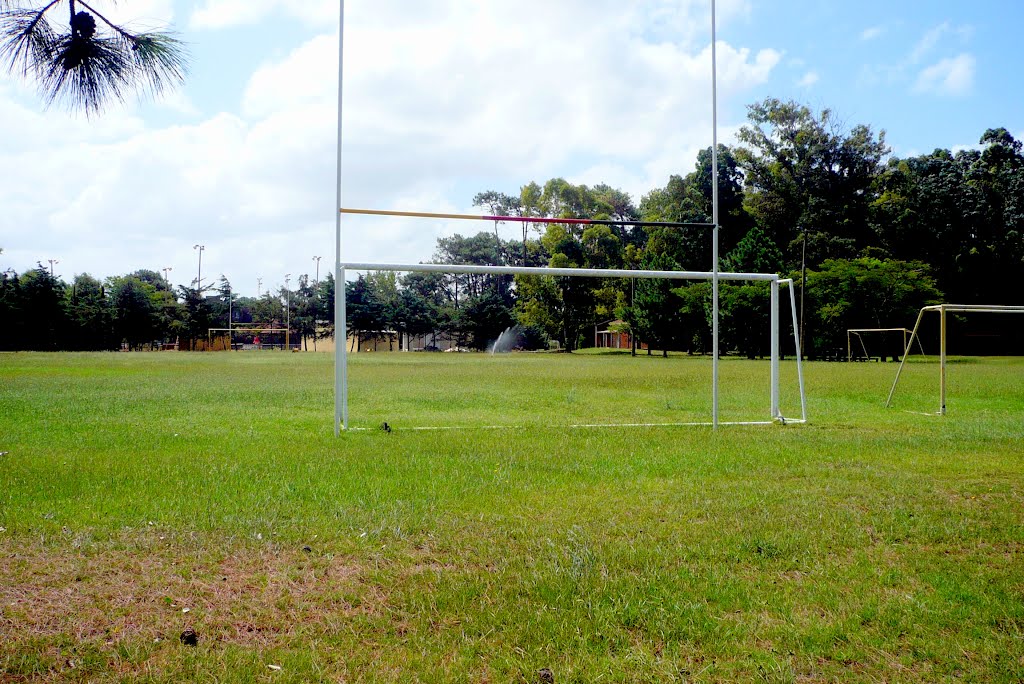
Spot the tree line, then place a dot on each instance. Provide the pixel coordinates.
(869, 238)
(143, 310)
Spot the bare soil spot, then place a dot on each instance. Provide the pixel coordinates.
(154, 591)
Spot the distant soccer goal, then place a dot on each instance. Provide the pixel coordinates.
(880, 344)
(246, 339)
(942, 310)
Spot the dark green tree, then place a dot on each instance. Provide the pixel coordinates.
(656, 307)
(805, 175)
(864, 293)
(135, 315)
(91, 315)
(11, 311)
(363, 309)
(42, 303)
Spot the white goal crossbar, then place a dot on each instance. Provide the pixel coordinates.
(942, 309)
(341, 332)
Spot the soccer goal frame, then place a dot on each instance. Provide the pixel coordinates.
(231, 333)
(775, 413)
(942, 310)
(857, 332)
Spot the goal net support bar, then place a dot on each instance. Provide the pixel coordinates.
(341, 332)
(942, 310)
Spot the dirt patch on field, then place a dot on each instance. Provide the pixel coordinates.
(155, 591)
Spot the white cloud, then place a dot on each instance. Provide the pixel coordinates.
(439, 104)
(951, 76)
(872, 32)
(936, 36)
(219, 14)
(927, 42)
(808, 79)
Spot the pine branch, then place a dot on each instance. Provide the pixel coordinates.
(82, 67)
(87, 73)
(27, 38)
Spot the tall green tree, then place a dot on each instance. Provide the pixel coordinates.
(808, 177)
(135, 315)
(689, 200)
(960, 213)
(42, 303)
(363, 309)
(196, 318)
(656, 306)
(11, 311)
(91, 315)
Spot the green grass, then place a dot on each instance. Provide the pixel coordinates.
(872, 544)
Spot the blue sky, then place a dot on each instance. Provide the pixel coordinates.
(445, 98)
(868, 59)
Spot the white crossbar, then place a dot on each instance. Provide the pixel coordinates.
(547, 271)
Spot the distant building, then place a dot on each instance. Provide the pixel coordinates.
(613, 334)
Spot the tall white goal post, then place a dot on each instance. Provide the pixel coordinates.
(942, 310)
(775, 413)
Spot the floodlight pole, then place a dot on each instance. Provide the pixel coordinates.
(714, 220)
(287, 313)
(316, 299)
(199, 274)
(340, 336)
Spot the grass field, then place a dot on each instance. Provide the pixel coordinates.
(143, 494)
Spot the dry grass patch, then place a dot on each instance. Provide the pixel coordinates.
(144, 590)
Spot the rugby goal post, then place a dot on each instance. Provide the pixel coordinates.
(713, 276)
(775, 413)
(942, 310)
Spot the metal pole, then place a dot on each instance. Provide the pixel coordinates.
(316, 300)
(714, 221)
(199, 274)
(340, 357)
(903, 361)
(775, 413)
(803, 287)
(557, 271)
(287, 313)
(341, 331)
(796, 346)
(942, 361)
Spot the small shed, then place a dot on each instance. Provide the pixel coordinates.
(612, 334)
